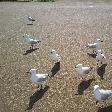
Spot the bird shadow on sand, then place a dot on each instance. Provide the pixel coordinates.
(30, 51)
(29, 23)
(105, 109)
(83, 86)
(101, 70)
(36, 96)
(55, 69)
(93, 55)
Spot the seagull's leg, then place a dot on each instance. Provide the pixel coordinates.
(83, 78)
(103, 104)
(31, 46)
(97, 62)
(101, 62)
(40, 86)
(96, 102)
(93, 51)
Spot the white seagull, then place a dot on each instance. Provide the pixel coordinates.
(101, 94)
(31, 19)
(55, 56)
(100, 56)
(83, 70)
(38, 78)
(30, 40)
(95, 46)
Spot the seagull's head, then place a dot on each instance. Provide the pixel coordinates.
(98, 40)
(53, 51)
(99, 51)
(96, 87)
(33, 71)
(25, 35)
(78, 66)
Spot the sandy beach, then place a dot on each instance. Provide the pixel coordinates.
(66, 26)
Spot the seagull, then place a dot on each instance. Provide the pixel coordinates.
(101, 94)
(38, 78)
(100, 56)
(30, 40)
(95, 46)
(55, 56)
(30, 18)
(83, 70)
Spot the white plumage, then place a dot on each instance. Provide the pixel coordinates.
(83, 70)
(101, 94)
(95, 46)
(30, 40)
(38, 78)
(30, 18)
(100, 56)
(55, 56)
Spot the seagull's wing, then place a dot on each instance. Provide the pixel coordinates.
(37, 40)
(30, 40)
(41, 77)
(31, 19)
(92, 45)
(86, 70)
(105, 94)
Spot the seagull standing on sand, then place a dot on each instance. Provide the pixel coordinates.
(95, 46)
(83, 70)
(30, 40)
(31, 19)
(38, 78)
(100, 56)
(101, 94)
(55, 56)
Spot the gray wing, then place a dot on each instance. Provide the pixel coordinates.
(92, 46)
(41, 79)
(105, 94)
(33, 42)
(86, 70)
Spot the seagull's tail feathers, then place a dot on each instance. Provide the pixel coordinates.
(38, 41)
(46, 76)
(104, 57)
(92, 68)
(33, 19)
(87, 45)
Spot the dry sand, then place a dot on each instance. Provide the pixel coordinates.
(66, 27)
